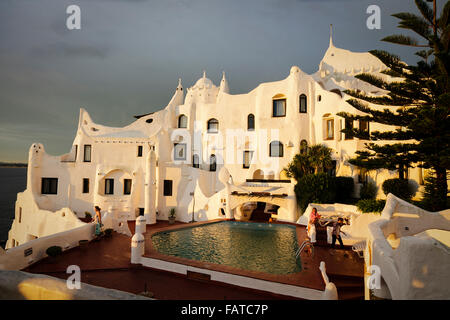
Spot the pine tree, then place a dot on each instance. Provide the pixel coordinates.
(416, 103)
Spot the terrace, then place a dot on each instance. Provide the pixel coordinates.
(106, 263)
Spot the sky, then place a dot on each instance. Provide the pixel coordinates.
(128, 55)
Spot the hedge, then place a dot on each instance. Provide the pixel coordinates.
(317, 188)
(344, 188)
(398, 187)
(370, 205)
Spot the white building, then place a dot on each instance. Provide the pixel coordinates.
(173, 158)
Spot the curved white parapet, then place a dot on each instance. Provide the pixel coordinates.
(413, 261)
(30, 252)
(330, 292)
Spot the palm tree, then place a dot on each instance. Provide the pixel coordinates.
(320, 157)
(316, 159)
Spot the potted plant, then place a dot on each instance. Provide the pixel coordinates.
(53, 252)
(87, 217)
(108, 233)
(172, 216)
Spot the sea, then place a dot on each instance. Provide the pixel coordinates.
(13, 180)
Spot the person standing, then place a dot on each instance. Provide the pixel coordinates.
(313, 219)
(98, 221)
(336, 234)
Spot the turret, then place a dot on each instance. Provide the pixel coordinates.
(178, 96)
(224, 84)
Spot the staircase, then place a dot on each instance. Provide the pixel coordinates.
(348, 287)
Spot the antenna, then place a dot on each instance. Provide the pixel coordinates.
(331, 35)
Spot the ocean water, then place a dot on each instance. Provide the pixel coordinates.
(12, 181)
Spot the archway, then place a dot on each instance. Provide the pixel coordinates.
(263, 212)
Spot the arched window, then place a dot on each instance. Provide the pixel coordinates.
(213, 126)
(195, 161)
(251, 122)
(182, 121)
(276, 149)
(212, 163)
(303, 147)
(303, 104)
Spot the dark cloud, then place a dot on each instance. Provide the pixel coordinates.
(129, 54)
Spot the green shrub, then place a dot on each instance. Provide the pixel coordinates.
(368, 191)
(344, 188)
(370, 205)
(53, 251)
(398, 187)
(317, 188)
(88, 215)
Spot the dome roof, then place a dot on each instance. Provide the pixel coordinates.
(203, 82)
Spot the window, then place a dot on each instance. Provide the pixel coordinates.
(303, 147)
(251, 122)
(141, 211)
(213, 126)
(49, 186)
(87, 153)
(179, 151)
(20, 214)
(332, 170)
(348, 125)
(109, 186)
(182, 121)
(279, 108)
(329, 129)
(139, 151)
(76, 153)
(248, 155)
(364, 128)
(276, 149)
(85, 185)
(303, 104)
(168, 187)
(195, 161)
(319, 98)
(127, 186)
(212, 163)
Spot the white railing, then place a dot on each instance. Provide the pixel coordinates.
(20, 257)
(330, 292)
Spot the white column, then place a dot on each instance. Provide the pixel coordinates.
(141, 224)
(137, 247)
(150, 188)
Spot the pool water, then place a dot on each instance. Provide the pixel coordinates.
(262, 247)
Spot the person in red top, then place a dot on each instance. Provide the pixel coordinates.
(313, 219)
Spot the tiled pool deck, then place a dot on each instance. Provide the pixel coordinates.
(106, 263)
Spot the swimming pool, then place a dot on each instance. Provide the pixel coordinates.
(262, 247)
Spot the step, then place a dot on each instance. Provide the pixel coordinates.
(350, 293)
